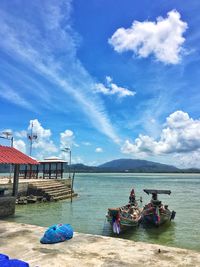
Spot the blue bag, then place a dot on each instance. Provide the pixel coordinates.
(57, 233)
(13, 263)
(3, 257)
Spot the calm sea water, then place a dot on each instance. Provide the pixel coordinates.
(97, 192)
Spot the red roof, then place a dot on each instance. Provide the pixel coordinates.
(10, 155)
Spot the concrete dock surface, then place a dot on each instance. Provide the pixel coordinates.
(22, 241)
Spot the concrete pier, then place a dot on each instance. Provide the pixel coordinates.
(7, 206)
(22, 241)
(50, 189)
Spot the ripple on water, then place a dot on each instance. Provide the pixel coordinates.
(97, 192)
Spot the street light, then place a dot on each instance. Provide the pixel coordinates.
(8, 136)
(68, 150)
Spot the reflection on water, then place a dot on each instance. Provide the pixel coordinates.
(97, 192)
(164, 233)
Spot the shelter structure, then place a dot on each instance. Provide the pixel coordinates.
(10, 155)
(49, 168)
(52, 168)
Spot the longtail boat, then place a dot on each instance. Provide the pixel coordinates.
(155, 212)
(125, 217)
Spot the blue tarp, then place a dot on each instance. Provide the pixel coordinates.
(57, 233)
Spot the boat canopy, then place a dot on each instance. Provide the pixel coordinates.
(154, 191)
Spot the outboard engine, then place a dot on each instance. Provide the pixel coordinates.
(173, 215)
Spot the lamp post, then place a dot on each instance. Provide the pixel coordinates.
(68, 150)
(8, 136)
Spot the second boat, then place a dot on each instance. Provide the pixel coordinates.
(125, 217)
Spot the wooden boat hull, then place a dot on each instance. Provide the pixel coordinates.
(119, 222)
(154, 219)
(155, 212)
(124, 222)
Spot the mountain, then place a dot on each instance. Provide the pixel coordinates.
(136, 165)
(82, 168)
(132, 165)
(122, 165)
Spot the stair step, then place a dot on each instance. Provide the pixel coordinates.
(53, 189)
(64, 197)
(60, 194)
(46, 184)
(47, 181)
(60, 190)
(48, 187)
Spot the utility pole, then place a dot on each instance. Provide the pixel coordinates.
(68, 150)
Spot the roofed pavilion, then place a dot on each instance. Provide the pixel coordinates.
(52, 167)
(10, 155)
(49, 168)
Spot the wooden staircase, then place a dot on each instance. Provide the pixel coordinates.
(51, 190)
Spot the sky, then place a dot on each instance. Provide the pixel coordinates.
(107, 79)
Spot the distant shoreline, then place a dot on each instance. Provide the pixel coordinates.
(136, 172)
(6, 175)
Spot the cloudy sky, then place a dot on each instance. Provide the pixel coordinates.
(109, 79)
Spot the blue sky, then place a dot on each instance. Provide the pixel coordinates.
(109, 79)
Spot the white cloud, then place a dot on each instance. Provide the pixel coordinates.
(112, 89)
(74, 159)
(188, 160)
(43, 146)
(9, 131)
(64, 155)
(163, 38)
(86, 143)
(20, 145)
(13, 97)
(75, 144)
(21, 134)
(98, 150)
(77, 159)
(45, 52)
(66, 138)
(179, 137)
(67, 134)
(92, 163)
(43, 141)
(36, 126)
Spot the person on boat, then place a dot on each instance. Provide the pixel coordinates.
(154, 201)
(132, 197)
(135, 215)
(154, 196)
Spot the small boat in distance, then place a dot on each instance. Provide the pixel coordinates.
(125, 217)
(155, 213)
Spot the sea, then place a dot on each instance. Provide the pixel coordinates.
(99, 191)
